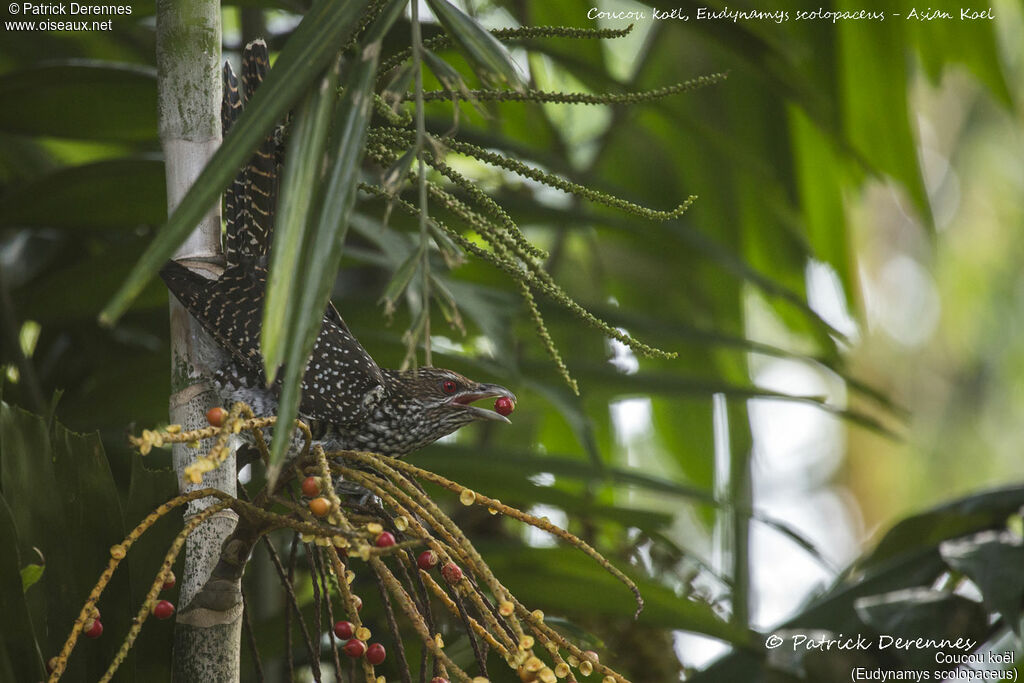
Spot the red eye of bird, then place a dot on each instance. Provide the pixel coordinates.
(448, 386)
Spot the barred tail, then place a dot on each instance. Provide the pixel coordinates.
(251, 200)
(234, 197)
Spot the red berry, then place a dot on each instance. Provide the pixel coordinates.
(216, 416)
(427, 560)
(320, 506)
(344, 629)
(376, 653)
(504, 406)
(163, 610)
(358, 602)
(311, 487)
(94, 630)
(385, 540)
(451, 573)
(169, 581)
(355, 648)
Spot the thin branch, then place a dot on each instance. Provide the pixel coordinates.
(396, 635)
(317, 609)
(250, 637)
(421, 137)
(330, 614)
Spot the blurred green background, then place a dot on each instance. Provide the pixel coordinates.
(844, 296)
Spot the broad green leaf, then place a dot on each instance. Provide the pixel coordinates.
(922, 533)
(73, 526)
(30, 575)
(906, 557)
(972, 43)
(18, 645)
(74, 99)
(492, 61)
(833, 611)
(324, 237)
(147, 490)
(924, 613)
(992, 560)
(327, 25)
(117, 194)
(819, 176)
(873, 60)
(302, 172)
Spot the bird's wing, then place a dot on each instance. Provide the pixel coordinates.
(229, 308)
(341, 381)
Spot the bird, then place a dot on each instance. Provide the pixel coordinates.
(349, 401)
(353, 403)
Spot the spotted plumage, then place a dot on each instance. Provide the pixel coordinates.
(349, 400)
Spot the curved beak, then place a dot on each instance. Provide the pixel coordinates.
(482, 391)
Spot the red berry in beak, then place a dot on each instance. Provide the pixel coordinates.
(504, 406)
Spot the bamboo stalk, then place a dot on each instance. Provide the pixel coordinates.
(207, 642)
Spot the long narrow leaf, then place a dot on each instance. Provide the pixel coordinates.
(302, 171)
(327, 25)
(400, 280)
(491, 59)
(325, 236)
(670, 385)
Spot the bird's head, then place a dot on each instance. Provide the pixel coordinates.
(432, 402)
